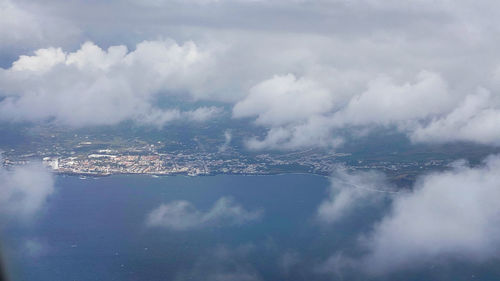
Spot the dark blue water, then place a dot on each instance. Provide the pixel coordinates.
(95, 229)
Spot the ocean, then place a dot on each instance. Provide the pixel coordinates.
(97, 229)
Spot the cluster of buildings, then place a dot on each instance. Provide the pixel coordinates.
(98, 164)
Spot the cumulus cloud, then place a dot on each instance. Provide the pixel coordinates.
(284, 99)
(309, 72)
(476, 119)
(314, 132)
(385, 102)
(293, 108)
(303, 112)
(94, 86)
(182, 215)
(448, 215)
(24, 190)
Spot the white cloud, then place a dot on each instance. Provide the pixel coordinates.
(311, 70)
(476, 119)
(92, 86)
(304, 112)
(182, 215)
(449, 214)
(315, 132)
(161, 117)
(349, 191)
(385, 102)
(293, 108)
(203, 113)
(283, 100)
(43, 60)
(452, 214)
(227, 141)
(24, 190)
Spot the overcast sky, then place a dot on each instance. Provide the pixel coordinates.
(302, 70)
(307, 72)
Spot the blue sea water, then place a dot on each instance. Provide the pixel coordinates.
(95, 229)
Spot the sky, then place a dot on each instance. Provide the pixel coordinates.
(309, 73)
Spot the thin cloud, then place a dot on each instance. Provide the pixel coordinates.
(183, 215)
(350, 191)
(24, 190)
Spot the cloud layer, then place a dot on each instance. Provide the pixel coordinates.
(311, 73)
(182, 215)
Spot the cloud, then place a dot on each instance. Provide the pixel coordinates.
(288, 261)
(203, 113)
(227, 141)
(93, 86)
(161, 117)
(449, 215)
(284, 99)
(22, 25)
(182, 215)
(313, 133)
(304, 112)
(293, 108)
(311, 73)
(223, 263)
(476, 119)
(24, 190)
(387, 103)
(34, 248)
(349, 191)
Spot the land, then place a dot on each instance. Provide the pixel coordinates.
(204, 151)
(96, 159)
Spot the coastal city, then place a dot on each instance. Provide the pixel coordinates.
(89, 159)
(132, 151)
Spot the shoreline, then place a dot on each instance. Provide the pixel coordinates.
(91, 175)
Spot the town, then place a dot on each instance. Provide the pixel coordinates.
(88, 159)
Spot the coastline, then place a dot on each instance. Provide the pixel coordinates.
(97, 175)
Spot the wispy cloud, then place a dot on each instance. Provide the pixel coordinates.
(350, 191)
(183, 215)
(223, 263)
(228, 137)
(24, 190)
